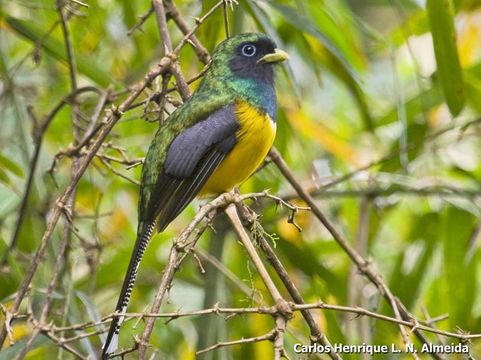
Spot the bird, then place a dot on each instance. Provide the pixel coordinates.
(213, 142)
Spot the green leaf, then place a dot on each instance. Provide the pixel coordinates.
(423, 233)
(213, 29)
(6, 163)
(441, 19)
(419, 104)
(416, 24)
(56, 49)
(4, 177)
(328, 19)
(415, 134)
(307, 262)
(306, 25)
(460, 268)
(473, 86)
(13, 351)
(336, 60)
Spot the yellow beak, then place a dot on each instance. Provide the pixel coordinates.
(277, 56)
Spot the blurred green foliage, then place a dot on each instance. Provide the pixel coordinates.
(361, 87)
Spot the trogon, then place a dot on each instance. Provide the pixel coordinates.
(213, 142)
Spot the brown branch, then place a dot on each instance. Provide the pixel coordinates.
(408, 324)
(174, 14)
(200, 50)
(172, 263)
(228, 274)
(66, 347)
(116, 172)
(159, 95)
(92, 129)
(107, 124)
(394, 154)
(270, 336)
(264, 310)
(51, 335)
(158, 6)
(231, 212)
(189, 35)
(279, 333)
(284, 312)
(126, 351)
(226, 21)
(364, 266)
(375, 192)
(317, 336)
(38, 136)
(141, 21)
(181, 245)
(66, 235)
(51, 287)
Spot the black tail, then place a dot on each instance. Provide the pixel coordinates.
(141, 243)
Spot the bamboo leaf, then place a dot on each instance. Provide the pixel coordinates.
(306, 25)
(423, 234)
(336, 60)
(458, 228)
(419, 104)
(441, 19)
(12, 351)
(56, 49)
(8, 164)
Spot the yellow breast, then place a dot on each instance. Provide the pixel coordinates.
(254, 139)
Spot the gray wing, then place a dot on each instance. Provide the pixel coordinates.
(191, 159)
(190, 146)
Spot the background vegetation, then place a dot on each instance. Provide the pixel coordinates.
(379, 121)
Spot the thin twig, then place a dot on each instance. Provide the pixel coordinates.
(107, 124)
(231, 212)
(392, 155)
(172, 264)
(200, 50)
(38, 136)
(270, 336)
(228, 274)
(158, 96)
(141, 21)
(226, 21)
(188, 36)
(364, 266)
(379, 192)
(317, 336)
(158, 6)
(264, 310)
(65, 239)
(284, 311)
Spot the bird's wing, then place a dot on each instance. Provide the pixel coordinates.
(192, 156)
(191, 159)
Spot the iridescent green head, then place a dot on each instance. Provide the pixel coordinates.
(249, 55)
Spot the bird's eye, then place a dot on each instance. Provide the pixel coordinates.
(248, 50)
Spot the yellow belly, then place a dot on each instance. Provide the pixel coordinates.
(254, 140)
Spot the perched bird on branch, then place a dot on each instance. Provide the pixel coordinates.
(213, 142)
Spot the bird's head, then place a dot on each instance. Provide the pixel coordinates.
(247, 56)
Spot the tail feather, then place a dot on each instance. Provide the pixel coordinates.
(141, 243)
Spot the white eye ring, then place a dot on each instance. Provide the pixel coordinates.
(249, 50)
